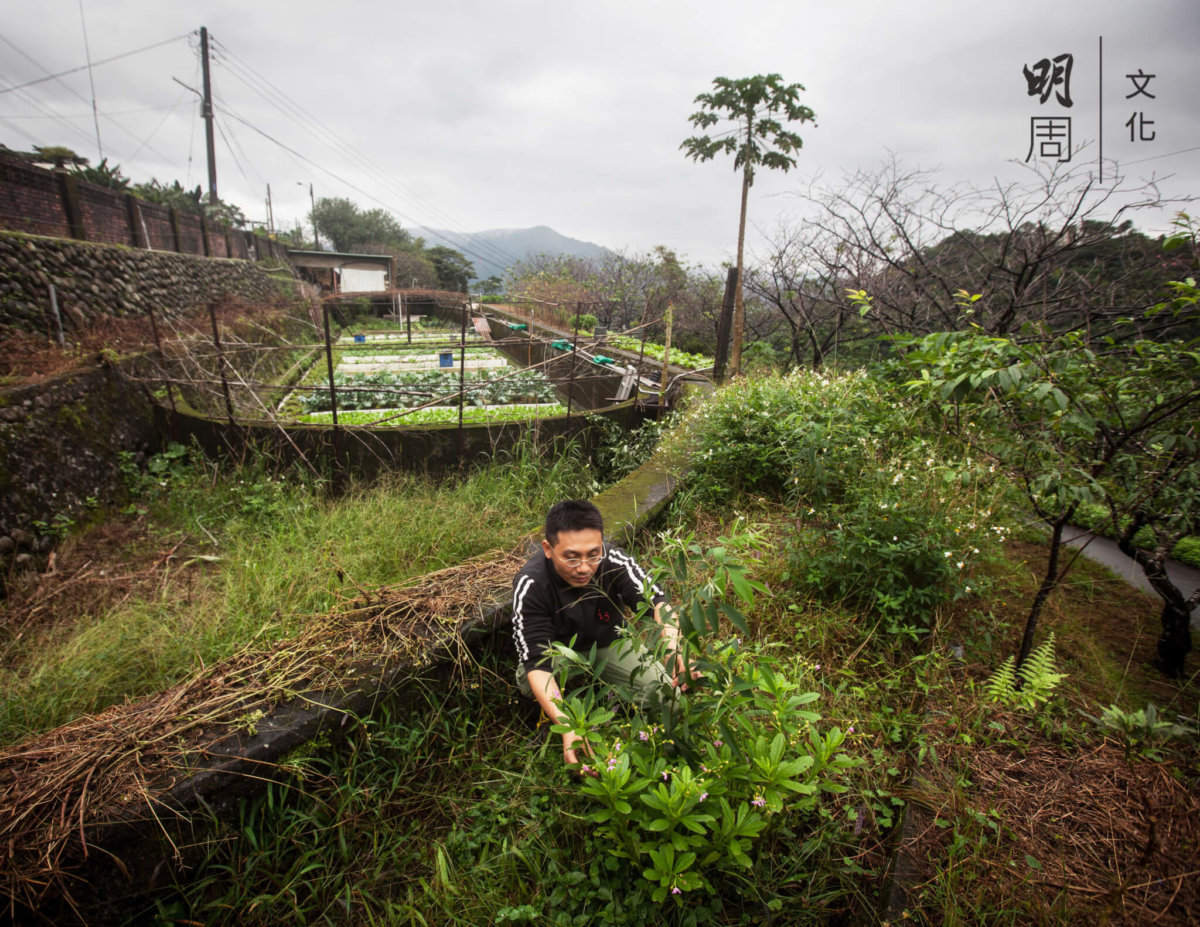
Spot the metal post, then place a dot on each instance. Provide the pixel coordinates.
(462, 384)
(212, 314)
(665, 377)
(329, 364)
(161, 355)
(337, 431)
(407, 307)
(62, 340)
(574, 359)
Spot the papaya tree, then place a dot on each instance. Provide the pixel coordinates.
(757, 107)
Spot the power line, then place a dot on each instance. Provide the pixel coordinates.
(94, 64)
(1169, 154)
(491, 252)
(309, 161)
(30, 100)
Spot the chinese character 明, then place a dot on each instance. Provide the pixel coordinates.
(1051, 135)
(1140, 82)
(1047, 76)
(1137, 125)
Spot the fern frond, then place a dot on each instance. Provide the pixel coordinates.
(1039, 675)
(1001, 685)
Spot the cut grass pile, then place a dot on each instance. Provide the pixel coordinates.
(251, 557)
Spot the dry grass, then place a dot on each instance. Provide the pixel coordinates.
(58, 786)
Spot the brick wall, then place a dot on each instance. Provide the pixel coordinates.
(30, 200)
(37, 201)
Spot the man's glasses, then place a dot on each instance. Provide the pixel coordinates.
(576, 562)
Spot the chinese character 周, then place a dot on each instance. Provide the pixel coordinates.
(1051, 135)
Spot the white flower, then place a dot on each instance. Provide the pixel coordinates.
(946, 554)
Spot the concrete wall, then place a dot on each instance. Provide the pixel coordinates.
(366, 452)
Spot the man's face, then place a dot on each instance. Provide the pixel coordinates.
(576, 554)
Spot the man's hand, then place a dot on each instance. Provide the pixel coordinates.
(682, 672)
(571, 754)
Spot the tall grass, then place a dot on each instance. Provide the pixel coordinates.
(259, 556)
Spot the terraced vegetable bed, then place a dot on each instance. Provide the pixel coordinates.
(378, 379)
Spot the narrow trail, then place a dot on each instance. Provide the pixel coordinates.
(1105, 551)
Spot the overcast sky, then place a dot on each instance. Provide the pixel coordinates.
(474, 115)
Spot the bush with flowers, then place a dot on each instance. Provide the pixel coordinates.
(806, 431)
(683, 796)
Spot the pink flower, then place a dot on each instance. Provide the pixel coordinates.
(718, 744)
(850, 729)
(585, 769)
(703, 795)
(674, 889)
(643, 736)
(759, 802)
(666, 775)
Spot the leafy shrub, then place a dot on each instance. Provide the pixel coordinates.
(585, 321)
(806, 434)
(1188, 551)
(616, 451)
(892, 554)
(682, 801)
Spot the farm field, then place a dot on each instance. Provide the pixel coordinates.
(383, 378)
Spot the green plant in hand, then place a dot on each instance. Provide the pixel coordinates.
(683, 797)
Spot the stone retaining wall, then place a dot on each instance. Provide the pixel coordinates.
(95, 281)
(60, 445)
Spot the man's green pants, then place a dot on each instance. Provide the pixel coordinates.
(624, 664)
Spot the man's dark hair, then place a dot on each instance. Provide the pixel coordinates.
(572, 515)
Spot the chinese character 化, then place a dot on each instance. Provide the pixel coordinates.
(1046, 76)
(1139, 121)
(1052, 137)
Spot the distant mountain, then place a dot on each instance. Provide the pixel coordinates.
(495, 250)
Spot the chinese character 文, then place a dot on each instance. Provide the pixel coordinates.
(1141, 81)
(1051, 136)
(1046, 77)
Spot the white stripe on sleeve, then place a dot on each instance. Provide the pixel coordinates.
(524, 584)
(635, 573)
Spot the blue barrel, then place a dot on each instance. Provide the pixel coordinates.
(446, 359)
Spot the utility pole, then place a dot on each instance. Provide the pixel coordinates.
(206, 111)
(270, 213)
(313, 200)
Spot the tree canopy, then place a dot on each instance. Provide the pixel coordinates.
(349, 228)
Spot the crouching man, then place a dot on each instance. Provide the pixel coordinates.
(579, 588)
